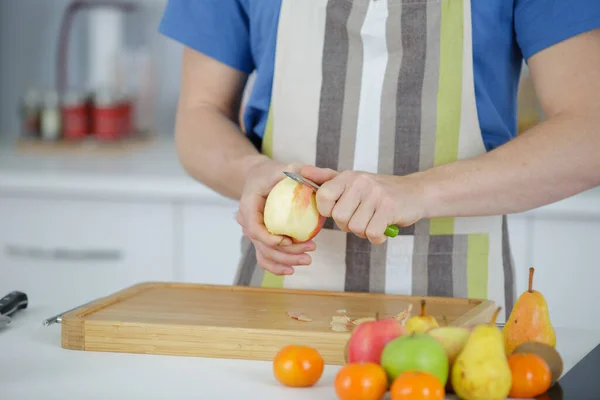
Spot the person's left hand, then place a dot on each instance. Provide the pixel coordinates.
(364, 203)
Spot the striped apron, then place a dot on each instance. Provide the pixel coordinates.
(383, 86)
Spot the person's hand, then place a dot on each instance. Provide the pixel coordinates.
(274, 253)
(364, 203)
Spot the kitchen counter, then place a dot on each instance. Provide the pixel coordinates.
(34, 366)
(152, 171)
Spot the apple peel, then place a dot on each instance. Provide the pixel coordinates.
(299, 316)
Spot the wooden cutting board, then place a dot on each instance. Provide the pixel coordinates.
(239, 322)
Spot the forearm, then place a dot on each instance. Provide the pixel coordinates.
(554, 160)
(213, 150)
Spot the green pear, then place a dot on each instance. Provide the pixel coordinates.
(481, 370)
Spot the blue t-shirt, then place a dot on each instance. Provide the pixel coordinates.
(505, 32)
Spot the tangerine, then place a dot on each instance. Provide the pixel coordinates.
(361, 381)
(298, 366)
(531, 375)
(417, 385)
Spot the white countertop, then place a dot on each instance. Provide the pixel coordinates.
(151, 172)
(34, 366)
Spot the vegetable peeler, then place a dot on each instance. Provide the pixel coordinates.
(390, 231)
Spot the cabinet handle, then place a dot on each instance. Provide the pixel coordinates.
(62, 254)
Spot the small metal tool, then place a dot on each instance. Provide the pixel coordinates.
(390, 231)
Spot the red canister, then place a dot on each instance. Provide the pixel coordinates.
(107, 116)
(126, 115)
(75, 116)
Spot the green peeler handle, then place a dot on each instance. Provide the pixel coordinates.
(392, 231)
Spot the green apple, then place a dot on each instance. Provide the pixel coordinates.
(415, 352)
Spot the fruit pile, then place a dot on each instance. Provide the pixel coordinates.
(419, 359)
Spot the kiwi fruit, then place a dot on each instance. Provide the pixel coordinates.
(548, 353)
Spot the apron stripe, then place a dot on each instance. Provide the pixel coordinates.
(409, 92)
(387, 129)
(358, 260)
(430, 89)
(449, 96)
(477, 265)
(439, 266)
(459, 266)
(352, 89)
(507, 264)
(419, 265)
(334, 66)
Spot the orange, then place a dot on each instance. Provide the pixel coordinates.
(298, 366)
(531, 375)
(417, 385)
(361, 381)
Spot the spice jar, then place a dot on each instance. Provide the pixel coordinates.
(50, 121)
(30, 111)
(75, 116)
(106, 116)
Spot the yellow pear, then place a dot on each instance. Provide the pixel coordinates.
(481, 371)
(529, 320)
(421, 323)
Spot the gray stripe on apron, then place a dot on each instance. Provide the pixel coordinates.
(459, 266)
(409, 92)
(358, 259)
(508, 266)
(428, 135)
(419, 265)
(335, 58)
(439, 266)
(351, 90)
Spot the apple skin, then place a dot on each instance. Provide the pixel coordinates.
(291, 210)
(370, 338)
(415, 352)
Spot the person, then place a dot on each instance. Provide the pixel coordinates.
(405, 112)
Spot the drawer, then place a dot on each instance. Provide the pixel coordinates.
(211, 243)
(79, 250)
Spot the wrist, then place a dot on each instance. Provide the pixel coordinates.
(429, 193)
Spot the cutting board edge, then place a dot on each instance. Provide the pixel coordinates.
(222, 342)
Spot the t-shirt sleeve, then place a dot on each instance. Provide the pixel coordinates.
(542, 23)
(217, 28)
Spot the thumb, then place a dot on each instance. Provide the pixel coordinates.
(318, 175)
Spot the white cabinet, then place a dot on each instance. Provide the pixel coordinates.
(211, 242)
(79, 250)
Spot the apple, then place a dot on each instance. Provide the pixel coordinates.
(421, 323)
(370, 338)
(452, 339)
(291, 210)
(415, 352)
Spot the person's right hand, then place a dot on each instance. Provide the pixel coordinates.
(274, 253)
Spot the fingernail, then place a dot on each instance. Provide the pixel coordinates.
(285, 242)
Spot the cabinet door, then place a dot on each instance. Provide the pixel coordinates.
(80, 250)
(211, 243)
(567, 262)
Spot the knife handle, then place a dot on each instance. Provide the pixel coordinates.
(392, 231)
(13, 302)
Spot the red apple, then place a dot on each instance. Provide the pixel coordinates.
(291, 210)
(369, 339)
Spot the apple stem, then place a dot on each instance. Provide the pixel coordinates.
(531, 279)
(495, 316)
(377, 316)
(422, 308)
